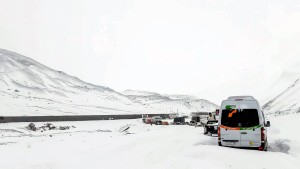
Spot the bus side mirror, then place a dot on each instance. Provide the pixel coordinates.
(268, 124)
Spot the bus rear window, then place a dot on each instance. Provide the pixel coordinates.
(240, 118)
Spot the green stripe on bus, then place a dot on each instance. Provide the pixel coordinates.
(229, 107)
(250, 128)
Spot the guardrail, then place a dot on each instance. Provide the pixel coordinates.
(12, 119)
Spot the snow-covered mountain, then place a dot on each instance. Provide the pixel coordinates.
(30, 88)
(284, 95)
(171, 103)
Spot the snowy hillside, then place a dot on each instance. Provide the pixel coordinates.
(30, 88)
(171, 103)
(284, 95)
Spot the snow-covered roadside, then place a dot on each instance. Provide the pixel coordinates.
(101, 144)
(284, 134)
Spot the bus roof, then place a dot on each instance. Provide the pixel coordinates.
(241, 98)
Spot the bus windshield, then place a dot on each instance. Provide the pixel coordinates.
(240, 118)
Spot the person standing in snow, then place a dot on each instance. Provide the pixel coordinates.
(211, 117)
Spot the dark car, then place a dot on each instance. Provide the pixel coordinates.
(211, 127)
(179, 120)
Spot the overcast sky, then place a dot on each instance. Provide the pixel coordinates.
(207, 48)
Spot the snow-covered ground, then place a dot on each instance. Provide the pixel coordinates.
(30, 88)
(102, 144)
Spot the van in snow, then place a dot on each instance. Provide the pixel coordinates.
(242, 123)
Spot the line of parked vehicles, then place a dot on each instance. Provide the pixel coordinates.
(157, 120)
(240, 122)
(196, 120)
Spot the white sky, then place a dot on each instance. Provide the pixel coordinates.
(208, 48)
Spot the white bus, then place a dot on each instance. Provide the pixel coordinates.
(242, 123)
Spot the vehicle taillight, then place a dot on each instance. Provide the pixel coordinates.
(262, 134)
(262, 147)
(217, 112)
